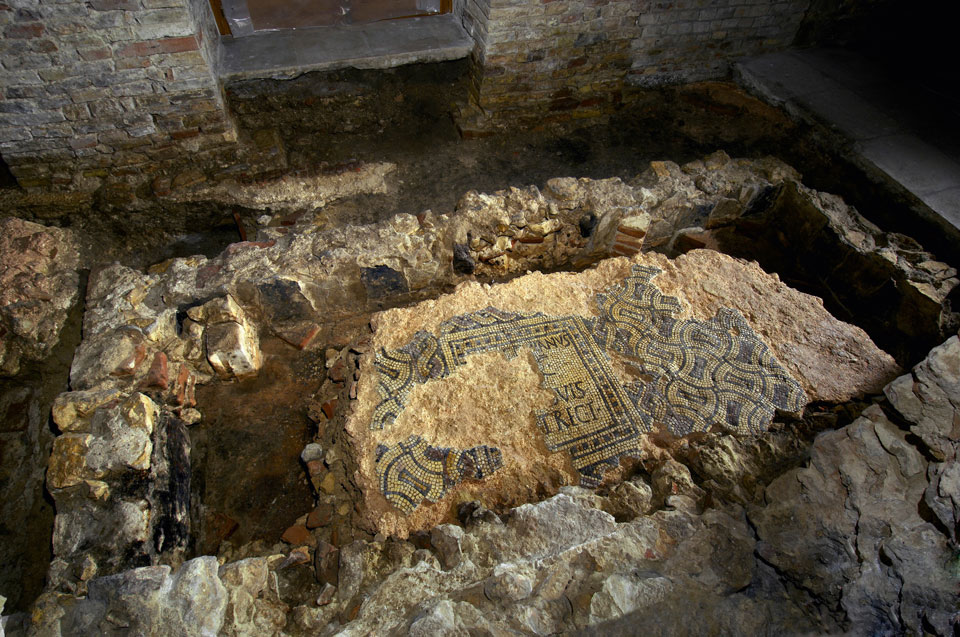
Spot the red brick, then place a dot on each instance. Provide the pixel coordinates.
(329, 408)
(185, 134)
(180, 390)
(132, 63)
(129, 366)
(631, 232)
(297, 535)
(95, 54)
(24, 31)
(89, 141)
(327, 563)
(164, 45)
(206, 273)
(624, 241)
(564, 104)
(338, 372)
(624, 252)
(44, 46)
(157, 376)
(321, 516)
(308, 337)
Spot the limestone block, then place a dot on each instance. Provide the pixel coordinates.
(118, 438)
(233, 349)
(121, 297)
(509, 583)
(140, 412)
(847, 527)
(288, 311)
(622, 594)
(112, 527)
(928, 398)
(114, 358)
(151, 600)
(118, 443)
(72, 410)
(303, 192)
(446, 539)
(220, 310)
(196, 601)
(67, 466)
(252, 606)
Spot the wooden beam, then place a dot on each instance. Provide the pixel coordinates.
(222, 25)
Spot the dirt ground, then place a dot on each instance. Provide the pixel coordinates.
(404, 116)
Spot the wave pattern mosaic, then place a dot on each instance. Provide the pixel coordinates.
(697, 375)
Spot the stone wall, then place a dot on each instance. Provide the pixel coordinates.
(110, 90)
(202, 16)
(114, 88)
(557, 59)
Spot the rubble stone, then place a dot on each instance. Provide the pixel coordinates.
(39, 283)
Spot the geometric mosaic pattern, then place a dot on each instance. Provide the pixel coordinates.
(700, 374)
(413, 470)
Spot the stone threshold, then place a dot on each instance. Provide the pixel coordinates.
(380, 45)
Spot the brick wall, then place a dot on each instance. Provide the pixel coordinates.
(106, 89)
(539, 60)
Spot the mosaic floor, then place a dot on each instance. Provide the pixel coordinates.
(701, 374)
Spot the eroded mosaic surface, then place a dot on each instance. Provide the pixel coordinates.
(413, 470)
(701, 374)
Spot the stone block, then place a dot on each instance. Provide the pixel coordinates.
(233, 349)
(115, 5)
(154, 47)
(24, 30)
(67, 465)
(72, 410)
(219, 310)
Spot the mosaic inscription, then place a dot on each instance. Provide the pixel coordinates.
(700, 374)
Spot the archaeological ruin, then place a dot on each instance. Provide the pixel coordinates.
(478, 317)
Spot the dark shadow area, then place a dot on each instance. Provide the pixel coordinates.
(7, 180)
(915, 43)
(26, 437)
(249, 483)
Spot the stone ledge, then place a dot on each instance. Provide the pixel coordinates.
(379, 45)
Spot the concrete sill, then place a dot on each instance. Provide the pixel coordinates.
(380, 45)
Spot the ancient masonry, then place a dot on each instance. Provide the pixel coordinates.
(111, 93)
(701, 374)
(557, 59)
(108, 88)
